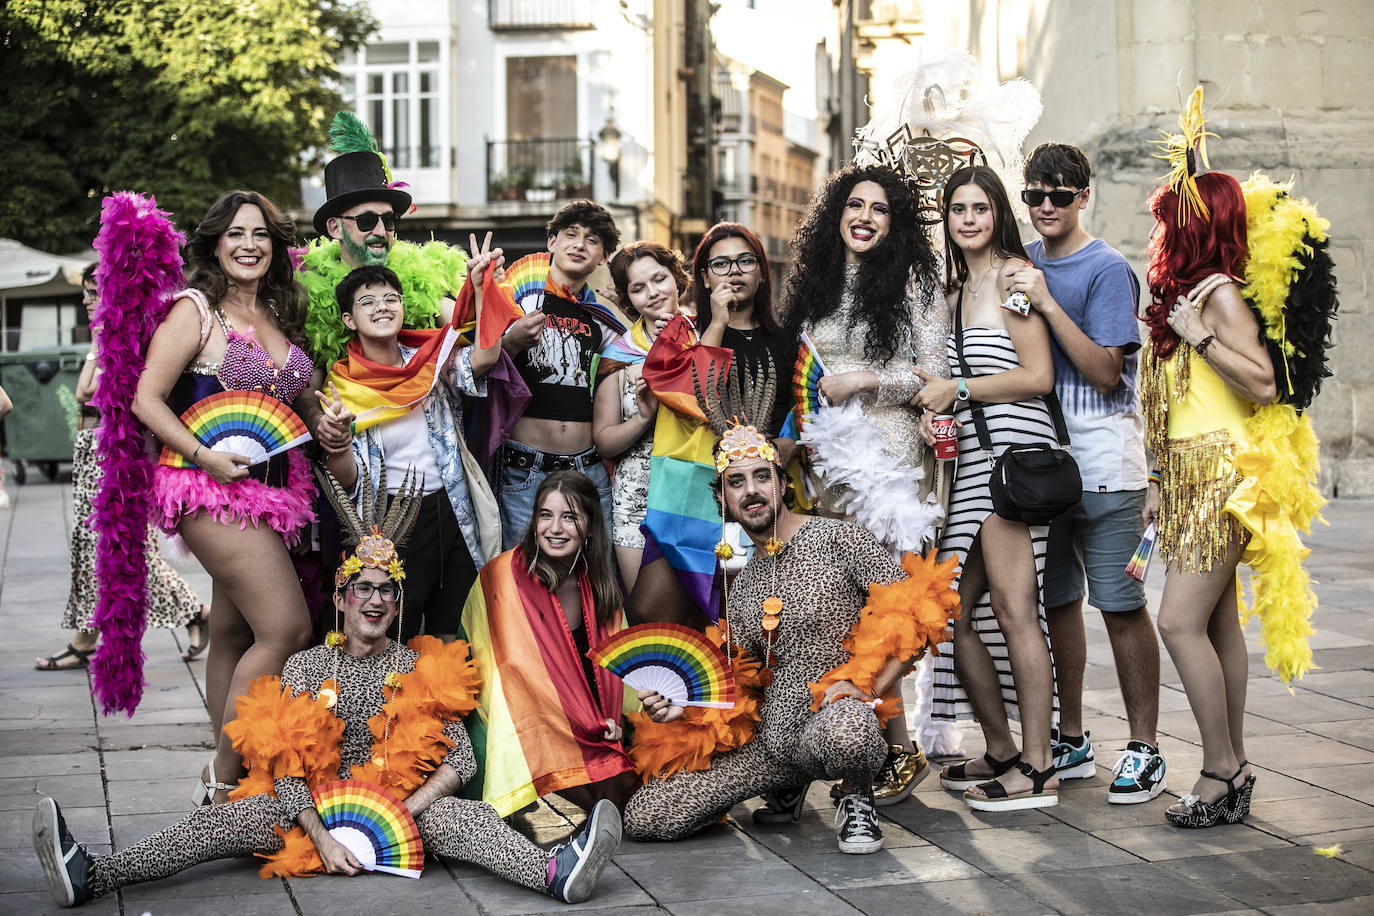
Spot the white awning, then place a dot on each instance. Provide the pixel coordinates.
(22, 267)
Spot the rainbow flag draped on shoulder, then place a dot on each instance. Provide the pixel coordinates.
(375, 393)
(682, 516)
(538, 728)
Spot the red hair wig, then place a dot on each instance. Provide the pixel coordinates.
(701, 296)
(1180, 257)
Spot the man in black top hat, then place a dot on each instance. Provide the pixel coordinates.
(362, 209)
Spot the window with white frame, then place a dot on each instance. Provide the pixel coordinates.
(394, 87)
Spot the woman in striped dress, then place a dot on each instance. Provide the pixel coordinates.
(1000, 660)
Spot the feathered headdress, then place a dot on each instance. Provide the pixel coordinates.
(1186, 153)
(935, 119)
(731, 403)
(732, 408)
(374, 531)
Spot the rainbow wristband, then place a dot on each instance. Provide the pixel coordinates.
(1155, 477)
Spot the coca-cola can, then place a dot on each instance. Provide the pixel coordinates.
(946, 437)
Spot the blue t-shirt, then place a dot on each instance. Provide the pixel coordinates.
(1096, 287)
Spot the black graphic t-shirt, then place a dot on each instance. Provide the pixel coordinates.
(558, 367)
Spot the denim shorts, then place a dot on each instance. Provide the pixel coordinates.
(1096, 539)
(518, 486)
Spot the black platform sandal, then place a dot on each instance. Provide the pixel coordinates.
(1241, 809)
(1194, 813)
(955, 776)
(996, 798)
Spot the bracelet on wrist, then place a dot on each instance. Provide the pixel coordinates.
(1203, 344)
(1155, 477)
(195, 453)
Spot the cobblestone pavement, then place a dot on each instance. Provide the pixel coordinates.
(119, 779)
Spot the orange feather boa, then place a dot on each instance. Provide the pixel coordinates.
(900, 620)
(281, 735)
(660, 749)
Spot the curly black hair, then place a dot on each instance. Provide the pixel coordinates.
(813, 286)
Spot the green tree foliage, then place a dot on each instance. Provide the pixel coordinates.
(181, 98)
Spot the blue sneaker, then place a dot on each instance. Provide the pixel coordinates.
(1139, 775)
(1073, 762)
(576, 866)
(66, 864)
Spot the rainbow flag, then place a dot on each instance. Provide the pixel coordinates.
(528, 279)
(535, 702)
(375, 393)
(629, 349)
(682, 515)
(499, 310)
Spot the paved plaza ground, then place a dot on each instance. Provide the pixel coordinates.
(119, 779)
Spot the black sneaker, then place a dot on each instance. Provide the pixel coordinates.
(782, 806)
(856, 826)
(65, 862)
(577, 865)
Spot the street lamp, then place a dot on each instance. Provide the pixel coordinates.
(608, 149)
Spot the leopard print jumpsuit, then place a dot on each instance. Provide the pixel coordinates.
(454, 828)
(823, 574)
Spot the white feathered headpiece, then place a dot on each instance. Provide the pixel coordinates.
(941, 99)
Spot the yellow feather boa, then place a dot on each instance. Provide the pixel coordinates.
(280, 734)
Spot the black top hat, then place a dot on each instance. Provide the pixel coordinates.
(355, 178)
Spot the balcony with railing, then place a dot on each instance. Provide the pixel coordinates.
(558, 168)
(514, 15)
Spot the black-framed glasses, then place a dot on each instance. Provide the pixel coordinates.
(1060, 197)
(387, 591)
(368, 221)
(747, 264)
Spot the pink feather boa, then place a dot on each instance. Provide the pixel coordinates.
(181, 491)
(140, 267)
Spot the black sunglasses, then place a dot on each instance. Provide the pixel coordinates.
(1059, 197)
(368, 221)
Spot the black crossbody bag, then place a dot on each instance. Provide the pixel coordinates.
(1031, 483)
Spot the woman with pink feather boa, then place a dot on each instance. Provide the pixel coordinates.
(235, 327)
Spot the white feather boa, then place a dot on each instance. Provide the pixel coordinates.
(881, 492)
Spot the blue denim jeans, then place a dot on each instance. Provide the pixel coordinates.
(519, 484)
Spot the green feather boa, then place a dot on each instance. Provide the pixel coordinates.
(428, 273)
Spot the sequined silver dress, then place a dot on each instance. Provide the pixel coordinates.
(841, 348)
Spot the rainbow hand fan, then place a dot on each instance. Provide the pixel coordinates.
(806, 379)
(678, 662)
(247, 423)
(373, 824)
(1140, 560)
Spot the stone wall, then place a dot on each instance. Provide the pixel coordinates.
(1288, 90)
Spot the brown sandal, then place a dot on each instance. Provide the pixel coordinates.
(54, 662)
(201, 624)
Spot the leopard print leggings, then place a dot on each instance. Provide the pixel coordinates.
(842, 741)
(453, 828)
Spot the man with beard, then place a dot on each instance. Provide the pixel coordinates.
(804, 590)
(357, 226)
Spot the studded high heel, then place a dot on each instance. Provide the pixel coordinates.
(1192, 812)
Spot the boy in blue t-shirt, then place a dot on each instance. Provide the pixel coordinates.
(1088, 294)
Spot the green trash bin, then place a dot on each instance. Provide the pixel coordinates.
(42, 384)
